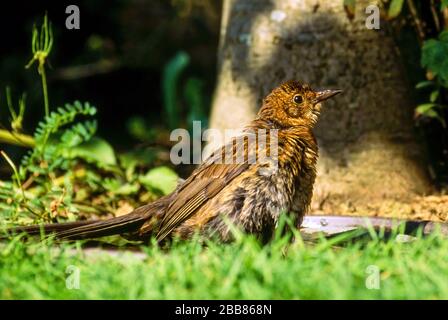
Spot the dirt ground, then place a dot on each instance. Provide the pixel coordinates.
(433, 207)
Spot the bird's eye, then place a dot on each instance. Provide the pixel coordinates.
(298, 99)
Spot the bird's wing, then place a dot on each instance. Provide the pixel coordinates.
(196, 192)
(205, 182)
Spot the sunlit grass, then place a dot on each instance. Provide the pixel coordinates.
(242, 270)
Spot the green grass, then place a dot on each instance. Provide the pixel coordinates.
(242, 270)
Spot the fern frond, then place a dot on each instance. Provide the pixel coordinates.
(63, 116)
(55, 127)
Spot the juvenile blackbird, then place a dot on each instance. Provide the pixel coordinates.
(248, 194)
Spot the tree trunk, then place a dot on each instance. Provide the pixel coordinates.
(368, 150)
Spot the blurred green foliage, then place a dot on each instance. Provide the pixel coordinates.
(420, 28)
(70, 170)
(116, 61)
(192, 94)
(171, 74)
(395, 8)
(435, 60)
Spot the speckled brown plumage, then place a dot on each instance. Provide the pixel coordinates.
(249, 194)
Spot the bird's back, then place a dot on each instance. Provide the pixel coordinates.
(250, 195)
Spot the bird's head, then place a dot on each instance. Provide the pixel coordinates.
(294, 104)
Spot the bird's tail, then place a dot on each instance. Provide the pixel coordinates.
(129, 223)
(45, 228)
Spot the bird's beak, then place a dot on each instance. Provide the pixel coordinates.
(325, 94)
